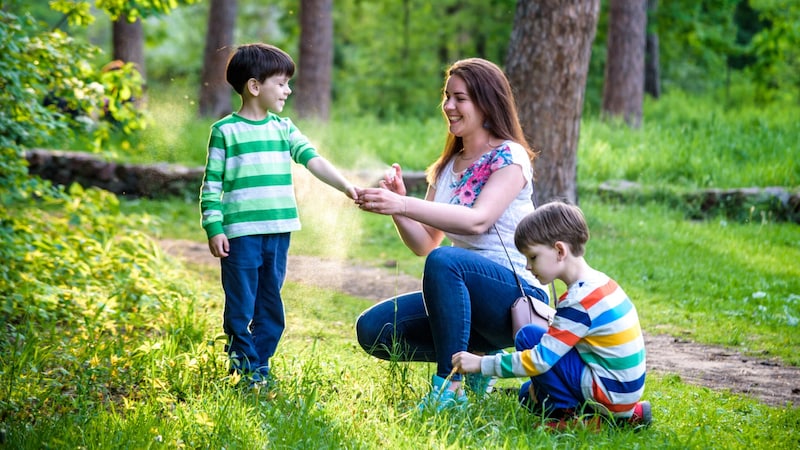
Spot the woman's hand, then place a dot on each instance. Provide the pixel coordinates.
(465, 362)
(393, 180)
(389, 198)
(381, 201)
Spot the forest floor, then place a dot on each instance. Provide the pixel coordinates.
(714, 367)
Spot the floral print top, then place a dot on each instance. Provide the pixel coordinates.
(464, 189)
(467, 188)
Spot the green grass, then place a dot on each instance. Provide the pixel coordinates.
(331, 395)
(106, 342)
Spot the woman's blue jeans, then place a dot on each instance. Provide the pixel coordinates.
(252, 277)
(464, 305)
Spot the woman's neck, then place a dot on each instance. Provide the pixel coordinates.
(477, 144)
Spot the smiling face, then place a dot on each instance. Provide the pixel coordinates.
(543, 262)
(273, 92)
(462, 113)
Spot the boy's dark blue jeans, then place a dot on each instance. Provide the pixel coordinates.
(558, 389)
(252, 277)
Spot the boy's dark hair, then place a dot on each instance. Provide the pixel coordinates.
(551, 222)
(259, 61)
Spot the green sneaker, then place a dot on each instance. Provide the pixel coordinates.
(480, 384)
(440, 398)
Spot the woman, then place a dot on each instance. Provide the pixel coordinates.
(479, 189)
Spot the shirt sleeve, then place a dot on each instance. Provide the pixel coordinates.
(211, 189)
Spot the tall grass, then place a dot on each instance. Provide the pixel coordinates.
(691, 143)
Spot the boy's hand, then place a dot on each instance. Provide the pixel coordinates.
(465, 362)
(352, 192)
(219, 245)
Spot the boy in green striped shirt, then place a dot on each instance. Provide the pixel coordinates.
(248, 204)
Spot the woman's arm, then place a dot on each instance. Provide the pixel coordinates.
(417, 236)
(433, 219)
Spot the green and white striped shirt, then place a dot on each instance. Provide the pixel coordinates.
(247, 187)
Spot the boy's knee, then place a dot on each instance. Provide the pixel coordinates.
(528, 336)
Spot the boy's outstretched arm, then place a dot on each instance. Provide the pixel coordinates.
(330, 175)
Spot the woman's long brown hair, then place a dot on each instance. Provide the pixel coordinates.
(488, 88)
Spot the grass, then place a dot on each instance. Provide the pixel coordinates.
(112, 344)
(331, 395)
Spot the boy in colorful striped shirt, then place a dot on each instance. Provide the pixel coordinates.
(592, 358)
(248, 204)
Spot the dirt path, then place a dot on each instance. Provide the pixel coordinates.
(714, 367)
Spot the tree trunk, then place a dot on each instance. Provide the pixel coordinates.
(313, 88)
(547, 65)
(215, 93)
(652, 63)
(623, 88)
(127, 39)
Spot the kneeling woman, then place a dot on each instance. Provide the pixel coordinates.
(479, 189)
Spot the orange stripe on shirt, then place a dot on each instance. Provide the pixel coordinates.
(601, 398)
(564, 336)
(599, 294)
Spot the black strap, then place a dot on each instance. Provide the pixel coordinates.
(516, 276)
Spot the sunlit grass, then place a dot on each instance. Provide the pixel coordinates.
(152, 372)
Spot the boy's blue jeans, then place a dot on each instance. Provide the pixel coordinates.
(252, 277)
(464, 305)
(558, 389)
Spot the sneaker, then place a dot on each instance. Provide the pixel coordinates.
(440, 398)
(259, 381)
(481, 384)
(642, 415)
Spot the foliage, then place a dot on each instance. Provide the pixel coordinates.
(79, 11)
(47, 91)
(389, 56)
(776, 50)
(417, 40)
(704, 45)
(82, 288)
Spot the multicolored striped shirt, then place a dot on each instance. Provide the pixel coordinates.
(247, 187)
(597, 318)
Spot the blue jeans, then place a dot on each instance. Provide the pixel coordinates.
(464, 305)
(252, 277)
(557, 390)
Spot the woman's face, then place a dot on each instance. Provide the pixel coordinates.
(462, 114)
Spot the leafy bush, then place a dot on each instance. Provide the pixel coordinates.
(46, 91)
(81, 286)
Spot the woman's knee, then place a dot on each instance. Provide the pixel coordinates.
(365, 332)
(441, 259)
